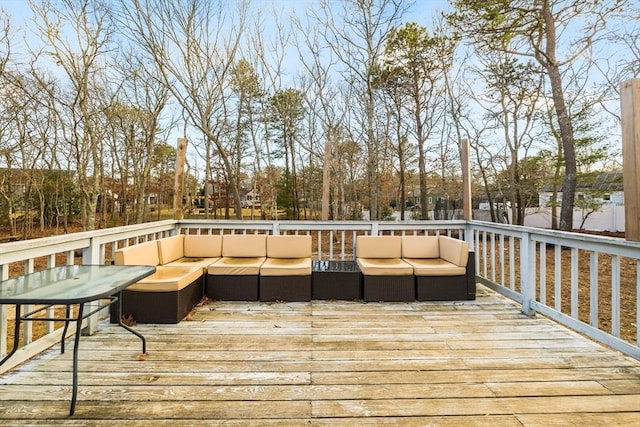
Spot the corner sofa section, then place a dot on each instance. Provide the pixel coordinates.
(443, 267)
(171, 292)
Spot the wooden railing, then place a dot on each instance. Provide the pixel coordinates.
(593, 287)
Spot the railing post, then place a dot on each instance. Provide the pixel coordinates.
(468, 235)
(527, 273)
(91, 256)
(4, 275)
(374, 228)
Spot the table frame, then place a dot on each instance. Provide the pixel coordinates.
(113, 294)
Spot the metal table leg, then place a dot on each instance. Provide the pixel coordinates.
(74, 390)
(134, 332)
(16, 334)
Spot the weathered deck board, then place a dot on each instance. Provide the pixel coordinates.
(334, 363)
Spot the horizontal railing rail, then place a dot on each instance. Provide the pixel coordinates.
(582, 281)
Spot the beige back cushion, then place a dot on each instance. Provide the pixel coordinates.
(420, 247)
(378, 247)
(171, 248)
(289, 246)
(244, 245)
(203, 245)
(141, 254)
(455, 251)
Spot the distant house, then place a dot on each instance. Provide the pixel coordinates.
(606, 189)
(252, 198)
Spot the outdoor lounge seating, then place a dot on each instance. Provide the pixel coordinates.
(235, 276)
(167, 295)
(443, 267)
(385, 276)
(184, 250)
(286, 273)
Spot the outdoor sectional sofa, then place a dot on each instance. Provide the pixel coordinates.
(443, 267)
(261, 267)
(405, 268)
(178, 283)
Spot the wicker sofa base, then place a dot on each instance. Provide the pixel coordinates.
(285, 288)
(388, 288)
(448, 288)
(232, 287)
(159, 307)
(337, 285)
(441, 288)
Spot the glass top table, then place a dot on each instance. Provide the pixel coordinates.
(68, 285)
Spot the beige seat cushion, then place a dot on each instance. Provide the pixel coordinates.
(384, 267)
(167, 279)
(289, 246)
(378, 247)
(434, 267)
(203, 246)
(197, 250)
(455, 251)
(380, 256)
(286, 267)
(170, 248)
(244, 245)
(141, 254)
(420, 247)
(246, 266)
(287, 255)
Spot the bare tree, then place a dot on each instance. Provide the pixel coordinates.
(194, 44)
(357, 37)
(80, 62)
(541, 30)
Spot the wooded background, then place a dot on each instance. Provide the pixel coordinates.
(321, 109)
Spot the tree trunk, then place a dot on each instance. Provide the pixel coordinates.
(564, 121)
(326, 176)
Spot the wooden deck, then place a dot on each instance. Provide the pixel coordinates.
(334, 362)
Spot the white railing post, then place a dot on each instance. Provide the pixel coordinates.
(527, 273)
(4, 275)
(91, 255)
(468, 236)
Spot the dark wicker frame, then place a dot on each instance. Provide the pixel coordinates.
(388, 288)
(159, 307)
(339, 283)
(232, 287)
(285, 288)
